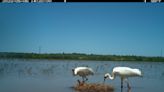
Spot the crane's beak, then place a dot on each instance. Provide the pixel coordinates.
(104, 79)
(73, 72)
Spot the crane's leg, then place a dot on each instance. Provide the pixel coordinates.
(128, 85)
(79, 82)
(121, 83)
(83, 79)
(121, 89)
(86, 78)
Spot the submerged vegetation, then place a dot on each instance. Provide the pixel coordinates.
(78, 56)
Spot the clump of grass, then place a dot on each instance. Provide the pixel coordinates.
(93, 87)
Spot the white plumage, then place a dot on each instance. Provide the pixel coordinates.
(123, 73)
(83, 72)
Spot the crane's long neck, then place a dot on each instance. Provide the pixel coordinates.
(112, 76)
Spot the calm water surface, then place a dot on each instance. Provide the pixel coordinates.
(18, 75)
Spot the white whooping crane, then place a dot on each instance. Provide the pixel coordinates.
(83, 72)
(123, 73)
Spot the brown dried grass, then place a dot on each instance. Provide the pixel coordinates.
(93, 87)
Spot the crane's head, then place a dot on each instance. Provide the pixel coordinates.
(107, 75)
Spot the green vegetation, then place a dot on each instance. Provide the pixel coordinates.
(78, 56)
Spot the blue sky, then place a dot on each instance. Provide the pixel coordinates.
(99, 28)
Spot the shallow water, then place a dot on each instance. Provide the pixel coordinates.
(18, 75)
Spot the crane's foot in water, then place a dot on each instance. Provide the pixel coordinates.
(86, 79)
(128, 86)
(121, 86)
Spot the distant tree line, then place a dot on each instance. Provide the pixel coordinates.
(79, 1)
(78, 56)
(27, 0)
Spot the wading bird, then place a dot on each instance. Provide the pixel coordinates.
(123, 73)
(83, 72)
